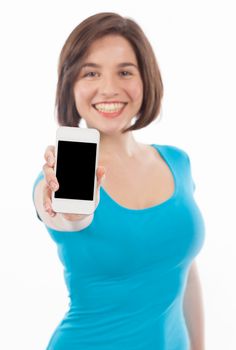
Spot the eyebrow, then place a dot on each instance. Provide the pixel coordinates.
(120, 65)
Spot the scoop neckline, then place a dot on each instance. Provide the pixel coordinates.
(156, 206)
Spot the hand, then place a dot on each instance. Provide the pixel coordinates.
(53, 185)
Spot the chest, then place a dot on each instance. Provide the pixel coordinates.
(139, 185)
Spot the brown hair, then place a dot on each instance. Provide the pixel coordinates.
(75, 50)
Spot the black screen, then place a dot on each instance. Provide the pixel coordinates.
(76, 170)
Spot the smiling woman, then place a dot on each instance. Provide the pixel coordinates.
(127, 267)
(109, 84)
(77, 59)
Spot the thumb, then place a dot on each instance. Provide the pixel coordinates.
(101, 174)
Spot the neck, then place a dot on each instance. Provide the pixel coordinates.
(119, 147)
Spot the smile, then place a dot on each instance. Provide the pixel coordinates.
(111, 107)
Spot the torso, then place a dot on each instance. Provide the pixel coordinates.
(139, 184)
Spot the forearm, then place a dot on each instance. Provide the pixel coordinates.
(194, 310)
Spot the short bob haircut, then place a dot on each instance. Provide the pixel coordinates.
(74, 52)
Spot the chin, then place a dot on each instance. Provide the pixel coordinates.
(109, 129)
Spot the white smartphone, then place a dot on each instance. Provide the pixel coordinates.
(76, 161)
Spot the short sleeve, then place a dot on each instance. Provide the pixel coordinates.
(38, 179)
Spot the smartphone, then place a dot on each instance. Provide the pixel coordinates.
(76, 161)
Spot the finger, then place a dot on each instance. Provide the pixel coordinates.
(47, 203)
(101, 170)
(50, 177)
(49, 155)
(100, 174)
(101, 180)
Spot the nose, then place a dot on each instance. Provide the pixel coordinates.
(109, 86)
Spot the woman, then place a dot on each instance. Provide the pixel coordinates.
(129, 267)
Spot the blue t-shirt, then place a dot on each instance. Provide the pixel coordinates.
(126, 272)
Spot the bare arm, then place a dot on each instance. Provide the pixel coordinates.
(193, 309)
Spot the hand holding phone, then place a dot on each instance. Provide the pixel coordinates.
(51, 179)
(76, 158)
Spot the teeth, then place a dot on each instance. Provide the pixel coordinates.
(109, 107)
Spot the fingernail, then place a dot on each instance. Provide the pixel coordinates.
(53, 185)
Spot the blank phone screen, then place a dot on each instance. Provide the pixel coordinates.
(76, 162)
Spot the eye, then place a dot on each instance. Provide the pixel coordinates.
(125, 73)
(91, 75)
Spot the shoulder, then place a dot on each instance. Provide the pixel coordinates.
(180, 159)
(173, 151)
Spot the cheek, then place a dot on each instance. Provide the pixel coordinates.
(83, 92)
(136, 90)
(83, 95)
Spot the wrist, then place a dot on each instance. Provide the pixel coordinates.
(77, 225)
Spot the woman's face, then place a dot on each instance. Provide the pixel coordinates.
(109, 90)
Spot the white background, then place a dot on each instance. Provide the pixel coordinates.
(194, 42)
